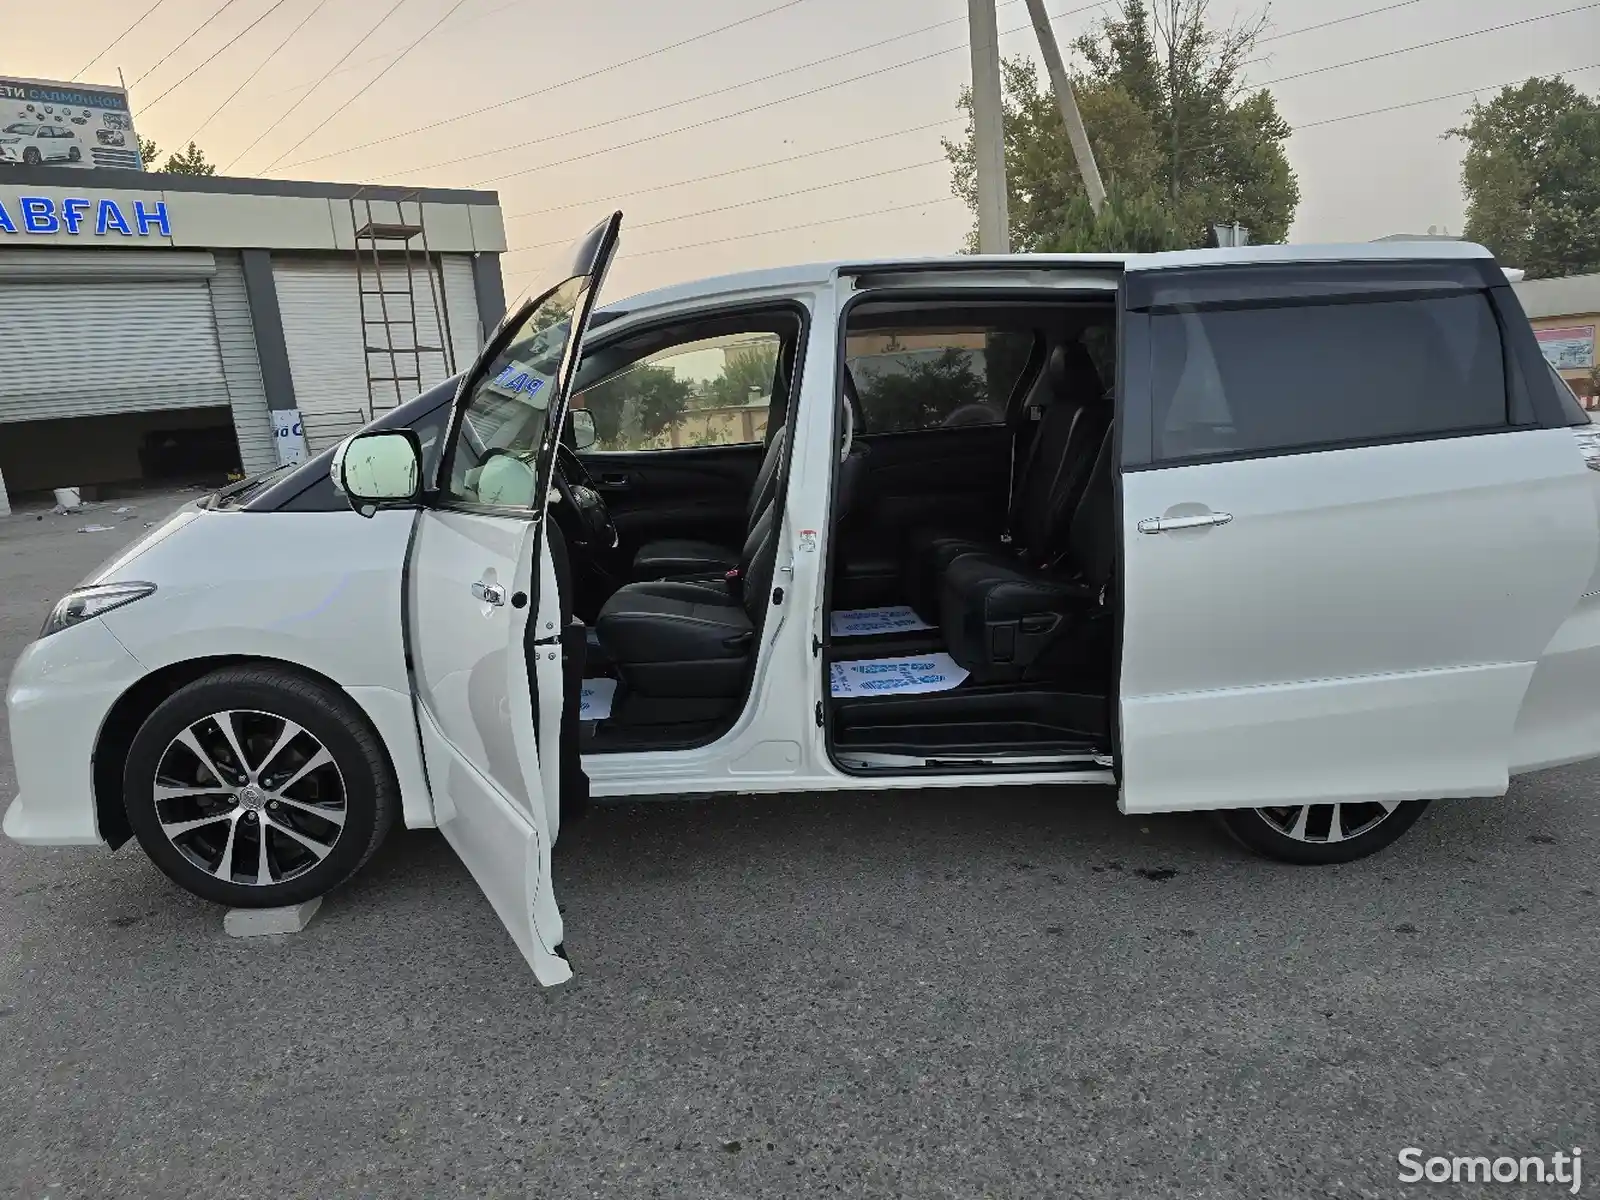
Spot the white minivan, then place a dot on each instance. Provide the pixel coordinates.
(1305, 536)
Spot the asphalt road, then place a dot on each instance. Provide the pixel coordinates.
(1000, 994)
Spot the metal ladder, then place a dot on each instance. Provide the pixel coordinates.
(390, 246)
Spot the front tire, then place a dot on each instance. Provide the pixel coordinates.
(31, 156)
(257, 787)
(74, 155)
(1319, 834)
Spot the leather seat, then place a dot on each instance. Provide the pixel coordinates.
(1007, 619)
(692, 638)
(677, 557)
(1075, 411)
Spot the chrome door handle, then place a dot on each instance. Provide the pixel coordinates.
(1198, 521)
(489, 593)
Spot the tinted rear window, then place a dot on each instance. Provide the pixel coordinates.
(1284, 377)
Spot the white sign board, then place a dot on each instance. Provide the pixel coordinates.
(45, 121)
(1569, 349)
(289, 436)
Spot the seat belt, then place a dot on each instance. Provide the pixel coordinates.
(1014, 509)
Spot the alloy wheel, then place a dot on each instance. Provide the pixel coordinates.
(1322, 824)
(249, 797)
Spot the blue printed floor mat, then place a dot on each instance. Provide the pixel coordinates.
(597, 697)
(907, 675)
(863, 622)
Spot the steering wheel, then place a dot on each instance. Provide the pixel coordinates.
(591, 519)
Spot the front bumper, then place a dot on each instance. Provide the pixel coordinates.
(61, 690)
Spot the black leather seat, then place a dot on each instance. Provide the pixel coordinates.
(680, 557)
(1075, 411)
(1007, 619)
(692, 639)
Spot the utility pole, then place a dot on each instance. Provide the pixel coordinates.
(988, 129)
(1081, 150)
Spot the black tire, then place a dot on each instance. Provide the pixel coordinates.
(1260, 829)
(74, 155)
(31, 156)
(369, 792)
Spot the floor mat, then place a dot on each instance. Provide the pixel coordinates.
(908, 675)
(863, 622)
(597, 697)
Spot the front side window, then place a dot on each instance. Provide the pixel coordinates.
(495, 457)
(916, 379)
(711, 392)
(1246, 380)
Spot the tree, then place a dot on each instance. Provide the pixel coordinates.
(743, 370)
(1180, 139)
(919, 393)
(148, 150)
(190, 162)
(1531, 176)
(635, 407)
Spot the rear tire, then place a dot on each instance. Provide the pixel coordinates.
(1304, 834)
(314, 783)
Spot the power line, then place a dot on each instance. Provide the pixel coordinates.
(737, 112)
(282, 117)
(226, 5)
(555, 86)
(707, 212)
(375, 58)
(132, 25)
(1372, 112)
(773, 103)
(1459, 37)
(321, 4)
(1371, 12)
(773, 162)
(393, 62)
(747, 83)
(277, 4)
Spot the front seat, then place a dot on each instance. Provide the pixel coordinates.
(692, 639)
(666, 558)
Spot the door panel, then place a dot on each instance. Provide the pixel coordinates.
(700, 492)
(483, 613)
(477, 718)
(1363, 628)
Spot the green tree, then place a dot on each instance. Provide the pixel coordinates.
(1180, 139)
(1531, 176)
(190, 162)
(750, 367)
(632, 409)
(918, 393)
(148, 150)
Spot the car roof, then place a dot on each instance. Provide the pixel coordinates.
(804, 275)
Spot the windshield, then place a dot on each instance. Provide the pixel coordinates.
(22, 129)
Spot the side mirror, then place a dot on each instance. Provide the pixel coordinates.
(584, 434)
(381, 467)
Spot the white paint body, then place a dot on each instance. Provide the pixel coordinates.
(1399, 622)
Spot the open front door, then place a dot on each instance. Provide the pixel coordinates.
(1349, 529)
(483, 615)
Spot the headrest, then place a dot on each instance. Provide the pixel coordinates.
(1071, 375)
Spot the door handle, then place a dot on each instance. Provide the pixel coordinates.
(615, 481)
(489, 593)
(1196, 521)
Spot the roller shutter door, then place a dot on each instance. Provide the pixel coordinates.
(329, 355)
(98, 345)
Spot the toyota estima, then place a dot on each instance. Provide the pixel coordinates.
(1305, 536)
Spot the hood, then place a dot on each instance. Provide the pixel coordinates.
(116, 566)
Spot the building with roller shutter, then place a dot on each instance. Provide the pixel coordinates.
(183, 327)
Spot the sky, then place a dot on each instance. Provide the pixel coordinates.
(598, 106)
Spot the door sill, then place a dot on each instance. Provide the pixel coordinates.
(876, 761)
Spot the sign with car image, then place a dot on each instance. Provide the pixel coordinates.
(62, 124)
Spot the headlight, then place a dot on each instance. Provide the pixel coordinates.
(82, 603)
